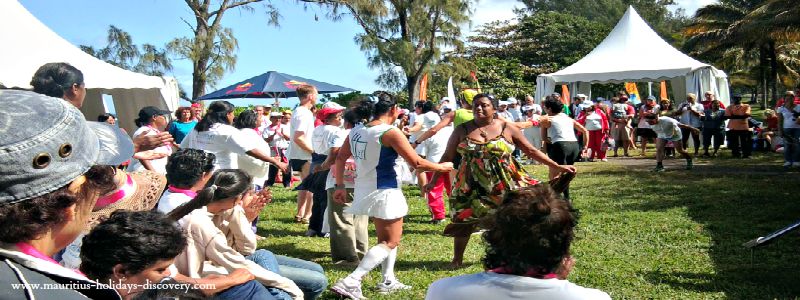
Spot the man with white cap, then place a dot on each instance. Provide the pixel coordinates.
(503, 113)
(513, 108)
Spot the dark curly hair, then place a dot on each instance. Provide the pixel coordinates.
(136, 240)
(186, 166)
(531, 230)
(28, 219)
(54, 79)
(246, 119)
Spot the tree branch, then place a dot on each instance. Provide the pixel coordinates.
(225, 7)
(362, 22)
(424, 62)
(193, 5)
(187, 23)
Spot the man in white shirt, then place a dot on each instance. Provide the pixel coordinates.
(503, 113)
(513, 108)
(668, 130)
(300, 127)
(690, 113)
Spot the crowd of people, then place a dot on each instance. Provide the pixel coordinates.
(171, 211)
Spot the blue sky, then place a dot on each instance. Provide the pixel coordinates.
(303, 45)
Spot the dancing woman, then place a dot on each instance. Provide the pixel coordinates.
(488, 169)
(377, 148)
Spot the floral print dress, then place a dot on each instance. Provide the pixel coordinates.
(487, 172)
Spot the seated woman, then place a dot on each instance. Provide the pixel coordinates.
(54, 168)
(209, 250)
(521, 265)
(132, 249)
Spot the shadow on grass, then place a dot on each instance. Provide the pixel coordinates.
(733, 206)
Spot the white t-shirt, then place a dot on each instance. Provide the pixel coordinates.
(224, 141)
(594, 121)
(562, 129)
(506, 115)
(255, 167)
(667, 129)
(644, 109)
(280, 131)
(429, 119)
(495, 286)
(302, 120)
(337, 141)
(515, 113)
(687, 117)
(788, 117)
(170, 201)
(159, 165)
(324, 137)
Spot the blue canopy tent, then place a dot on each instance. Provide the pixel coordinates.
(271, 84)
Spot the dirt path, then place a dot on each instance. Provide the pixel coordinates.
(769, 165)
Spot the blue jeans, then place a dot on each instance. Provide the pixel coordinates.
(248, 290)
(309, 276)
(791, 144)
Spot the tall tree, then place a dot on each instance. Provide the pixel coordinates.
(403, 38)
(212, 49)
(122, 52)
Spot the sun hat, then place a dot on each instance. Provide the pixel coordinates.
(325, 112)
(512, 100)
(45, 143)
(275, 114)
(501, 103)
(581, 96)
(586, 104)
(331, 104)
(141, 192)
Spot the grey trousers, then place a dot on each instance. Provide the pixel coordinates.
(349, 233)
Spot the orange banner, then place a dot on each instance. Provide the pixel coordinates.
(423, 87)
(664, 90)
(565, 98)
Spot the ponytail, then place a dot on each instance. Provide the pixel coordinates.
(224, 184)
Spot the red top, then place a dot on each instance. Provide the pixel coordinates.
(707, 104)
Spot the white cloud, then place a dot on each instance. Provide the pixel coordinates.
(492, 10)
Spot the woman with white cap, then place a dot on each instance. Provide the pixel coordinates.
(55, 165)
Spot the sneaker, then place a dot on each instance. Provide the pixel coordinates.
(351, 291)
(689, 164)
(659, 169)
(604, 159)
(436, 221)
(390, 286)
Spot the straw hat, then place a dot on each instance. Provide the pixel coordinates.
(148, 187)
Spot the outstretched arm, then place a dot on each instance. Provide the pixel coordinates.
(446, 120)
(399, 143)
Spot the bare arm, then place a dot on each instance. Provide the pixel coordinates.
(301, 141)
(583, 131)
(330, 160)
(260, 154)
(398, 141)
(339, 194)
(417, 126)
(522, 143)
(450, 151)
(446, 120)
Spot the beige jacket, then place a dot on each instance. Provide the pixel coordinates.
(234, 225)
(205, 242)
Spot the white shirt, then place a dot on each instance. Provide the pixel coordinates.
(594, 121)
(159, 165)
(255, 167)
(687, 117)
(562, 129)
(224, 141)
(788, 117)
(280, 131)
(377, 166)
(515, 113)
(324, 137)
(337, 141)
(302, 120)
(506, 115)
(667, 129)
(170, 201)
(495, 286)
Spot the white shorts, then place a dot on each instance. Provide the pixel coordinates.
(386, 204)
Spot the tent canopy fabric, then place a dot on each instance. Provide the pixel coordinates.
(29, 44)
(271, 84)
(633, 52)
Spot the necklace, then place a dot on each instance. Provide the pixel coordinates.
(482, 132)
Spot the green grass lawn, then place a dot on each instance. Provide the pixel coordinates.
(642, 235)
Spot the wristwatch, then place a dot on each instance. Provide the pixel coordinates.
(416, 142)
(338, 187)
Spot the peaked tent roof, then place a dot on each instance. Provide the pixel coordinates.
(30, 44)
(631, 52)
(271, 84)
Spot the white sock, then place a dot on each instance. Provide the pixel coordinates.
(387, 266)
(376, 255)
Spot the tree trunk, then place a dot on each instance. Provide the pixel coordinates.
(412, 88)
(773, 68)
(199, 78)
(762, 74)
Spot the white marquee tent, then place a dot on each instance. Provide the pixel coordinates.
(633, 52)
(28, 44)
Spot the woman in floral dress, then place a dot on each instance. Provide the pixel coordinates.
(488, 170)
